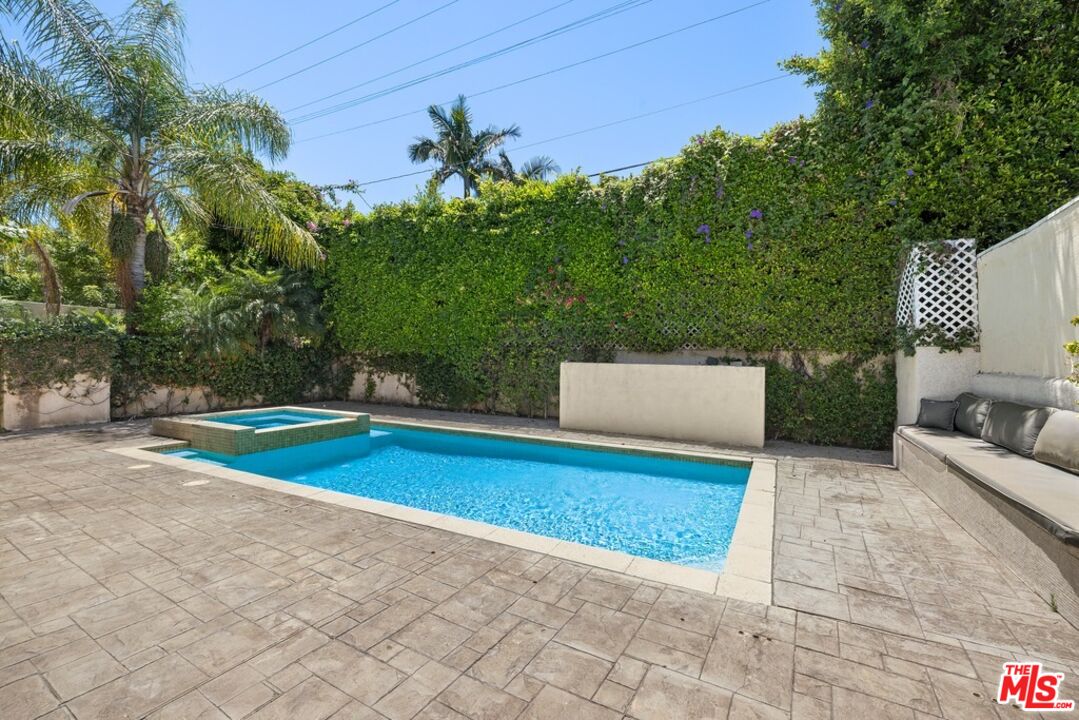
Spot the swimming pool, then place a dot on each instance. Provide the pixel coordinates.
(677, 511)
(270, 419)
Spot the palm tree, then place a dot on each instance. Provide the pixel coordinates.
(104, 127)
(249, 309)
(31, 240)
(458, 149)
(540, 167)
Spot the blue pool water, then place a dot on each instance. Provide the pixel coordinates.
(261, 421)
(671, 510)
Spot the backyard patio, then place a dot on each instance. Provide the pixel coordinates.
(135, 590)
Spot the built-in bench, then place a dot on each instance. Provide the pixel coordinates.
(1024, 511)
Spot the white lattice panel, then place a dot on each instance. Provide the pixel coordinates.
(939, 288)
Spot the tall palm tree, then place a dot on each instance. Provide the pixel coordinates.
(457, 147)
(540, 167)
(97, 120)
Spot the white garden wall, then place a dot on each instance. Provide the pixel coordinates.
(709, 403)
(1028, 293)
(86, 400)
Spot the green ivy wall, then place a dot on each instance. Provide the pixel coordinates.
(749, 245)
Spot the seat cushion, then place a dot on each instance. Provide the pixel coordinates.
(970, 417)
(1058, 442)
(938, 414)
(941, 443)
(1015, 426)
(1044, 493)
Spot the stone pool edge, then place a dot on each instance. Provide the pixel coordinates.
(747, 572)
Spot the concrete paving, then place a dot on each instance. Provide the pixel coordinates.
(126, 592)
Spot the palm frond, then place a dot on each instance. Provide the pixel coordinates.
(232, 117)
(72, 35)
(156, 25)
(425, 149)
(228, 186)
(540, 167)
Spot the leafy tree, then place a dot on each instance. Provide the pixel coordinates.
(963, 114)
(98, 120)
(458, 148)
(540, 167)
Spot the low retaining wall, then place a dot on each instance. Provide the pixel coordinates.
(166, 400)
(707, 403)
(86, 400)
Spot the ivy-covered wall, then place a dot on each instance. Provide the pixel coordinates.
(744, 244)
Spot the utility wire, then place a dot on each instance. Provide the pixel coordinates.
(323, 36)
(655, 112)
(425, 172)
(578, 63)
(668, 108)
(604, 14)
(429, 58)
(357, 46)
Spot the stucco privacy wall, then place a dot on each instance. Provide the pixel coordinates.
(716, 404)
(85, 400)
(1028, 289)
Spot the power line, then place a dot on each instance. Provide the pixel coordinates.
(427, 171)
(604, 14)
(323, 36)
(668, 108)
(656, 112)
(357, 46)
(429, 58)
(578, 63)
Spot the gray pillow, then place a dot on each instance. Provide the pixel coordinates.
(970, 417)
(1058, 443)
(937, 414)
(1015, 426)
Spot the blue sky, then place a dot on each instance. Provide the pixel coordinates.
(228, 37)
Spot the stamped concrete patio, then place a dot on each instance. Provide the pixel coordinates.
(148, 591)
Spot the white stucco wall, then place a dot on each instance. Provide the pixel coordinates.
(717, 404)
(86, 400)
(933, 375)
(1028, 291)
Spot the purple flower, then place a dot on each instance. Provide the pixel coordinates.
(704, 229)
(749, 234)
(792, 160)
(700, 139)
(865, 44)
(869, 104)
(756, 214)
(625, 260)
(893, 203)
(719, 193)
(910, 172)
(749, 246)
(312, 226)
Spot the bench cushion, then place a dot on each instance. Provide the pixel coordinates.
(1046, 494)
(940, 443)
(1014, 426)
(970, 417)
(937, 414)
(1058, 443)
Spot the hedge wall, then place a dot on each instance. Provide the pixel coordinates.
(745, 244)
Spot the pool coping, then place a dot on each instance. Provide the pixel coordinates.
(747, 571)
